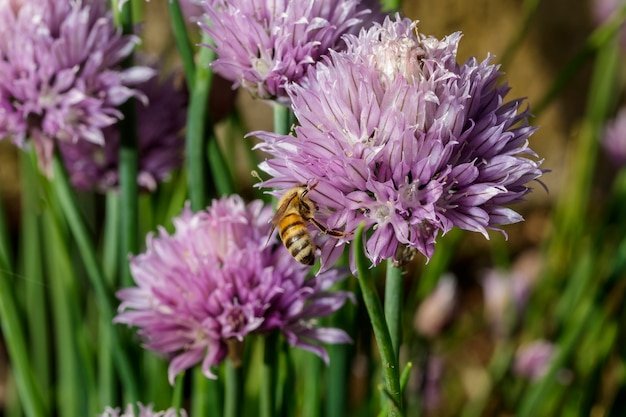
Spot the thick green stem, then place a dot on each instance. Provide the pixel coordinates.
(12, 331)
(84, 243)
(390, 371)
(233, 390)
(393, 305)
(268, 375)
(34, 287)
(198, 129)
(183, 44)
(282, 119)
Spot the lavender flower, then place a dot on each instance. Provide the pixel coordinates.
(614, 139)
(534, 359)
(160, 142)
(396, 134)
(59, 76)
(201, 291)
(435, 312)
(263, 45)
(144, 411)
(505, 298)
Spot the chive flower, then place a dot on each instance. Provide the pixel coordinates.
(263, 45)
(614, 139)
(159, 139)
(144, 411)
(397, 135)
(60, 75)
(202, 290)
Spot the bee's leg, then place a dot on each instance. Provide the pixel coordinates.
(326, 230)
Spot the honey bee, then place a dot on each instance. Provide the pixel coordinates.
(295, 210)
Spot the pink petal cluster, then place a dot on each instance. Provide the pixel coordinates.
(160, 142)
(215, 281)
(398, 135)
(60, 75)
(262, 45)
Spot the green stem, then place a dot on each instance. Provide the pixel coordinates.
(206, 398)
(84, 243)
(177, 395)
(107, 386)
(128, 166)
(12, 330)
(71, 390)
(219, 169)
(393, 305)
(390, 371)
(233, 389)
(34, 286)
(268, 375)
(282, 119)
(183, 44)
(391, 5)
(199, 128)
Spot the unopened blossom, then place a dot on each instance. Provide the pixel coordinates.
(505, 296)
(60, 74)
(534, 359)
(397, 135)
(263, 45)
(202, 290)
(144, 411)
(435, 312)
(159, 140)
(614, 139)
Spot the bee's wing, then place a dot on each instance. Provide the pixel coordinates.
(280, 212)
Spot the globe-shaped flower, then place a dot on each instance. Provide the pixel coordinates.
(160, 142)
(614, 139)
(202, 290)
(59, 75)
(262, 45)
(399, 136)
(144, 411)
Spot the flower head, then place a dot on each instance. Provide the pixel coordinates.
(144, 411)
(614, 140)
(534, 359)
(202, 290)
(160, 143)
(505, 298)
(263, 45)
(436, 311)
(399, 136)
(59, 75)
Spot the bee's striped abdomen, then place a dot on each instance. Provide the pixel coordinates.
(295, 237)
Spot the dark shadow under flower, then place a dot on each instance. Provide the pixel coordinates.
(160, 142)
(400, 136)
(215, 281)
(59, 73)
(263, 45)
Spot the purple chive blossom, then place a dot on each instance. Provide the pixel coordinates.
(59, 72)
(436, 311)
(534, 359)
(614, 140)
(396, 134)
(160, 142)
(505, 297)
(263, 45)
(144, 411)
(202, 290)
